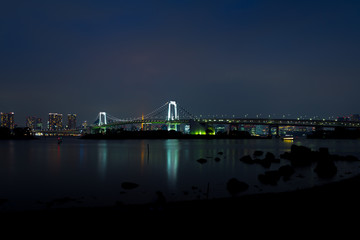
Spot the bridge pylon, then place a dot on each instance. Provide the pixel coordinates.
(102, 121)
(173, 114)
(102, 118)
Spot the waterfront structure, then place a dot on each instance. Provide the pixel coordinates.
(355, 118)
(84, 125)
(38, 124)
(34, 123)
(55, 121)
(175, 117)
(30, 122)
(7, 120)
(71, 121)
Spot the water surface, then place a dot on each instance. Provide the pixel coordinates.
(42, 173)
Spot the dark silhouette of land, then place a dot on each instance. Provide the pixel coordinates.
(334, 205)
(16, 133)
(337, 133)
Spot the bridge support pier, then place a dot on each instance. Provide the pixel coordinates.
(172, 126)
(319, 128)
(277, 132)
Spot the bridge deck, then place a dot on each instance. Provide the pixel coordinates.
(245, 121)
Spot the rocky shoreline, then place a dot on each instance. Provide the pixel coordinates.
(334, 202)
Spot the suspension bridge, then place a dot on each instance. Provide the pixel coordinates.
(172, 116)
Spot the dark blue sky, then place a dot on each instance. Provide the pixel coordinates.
(213, 57)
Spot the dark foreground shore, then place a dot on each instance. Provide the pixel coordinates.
(335, 202)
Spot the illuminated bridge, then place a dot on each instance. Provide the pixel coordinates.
(172, 115)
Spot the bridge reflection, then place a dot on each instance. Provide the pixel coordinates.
(172, 151)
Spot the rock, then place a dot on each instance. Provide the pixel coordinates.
(266, 163)
(285, 155)
(325, 168)
(270, 156)
(300, 150)
(276, 160)
(258, 153)
(286, 171)
(301, 156)
(324, 151)
(202, 160)
(235, 186)
(129, 185)
(269, 177)
(247, 159)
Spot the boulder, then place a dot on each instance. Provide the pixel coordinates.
(258, 153)
(269, 177)
(301, 156)
(286, 171)
(235, 186)
(202, 160)
(300, 150)
(247, 159)
(270, 156)
(325, 168)
(266, 163)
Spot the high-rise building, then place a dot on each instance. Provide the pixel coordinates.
(71, 121)
(38, 124)
(55, 121)
(7, 120)
(34, 123)
(355, 117)
(84, 124)
(30, 122)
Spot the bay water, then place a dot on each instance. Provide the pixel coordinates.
(40, 174)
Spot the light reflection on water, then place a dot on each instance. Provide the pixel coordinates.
(92, 170)
(102, 159)
(172, 149)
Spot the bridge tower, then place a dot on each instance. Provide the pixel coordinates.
(102, 118)
(142, 122)
(172, 115)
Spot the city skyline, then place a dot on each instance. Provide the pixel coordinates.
(213, 57)
(348, 117)
(56, 121)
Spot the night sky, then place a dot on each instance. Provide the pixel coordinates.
(213, 57)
